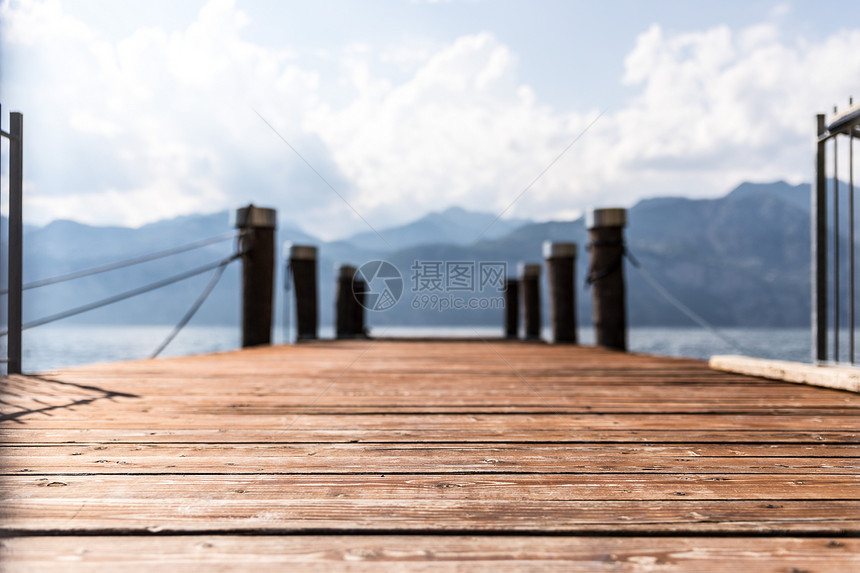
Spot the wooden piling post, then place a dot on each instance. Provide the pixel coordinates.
(530, 298)
(303, 267)
(257, 226)
(343, 327)
(606, 276)
(512, 308)
(349, 309)
(561, 277)
(359, 289)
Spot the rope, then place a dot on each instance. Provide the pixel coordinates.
(649, 278)
(126, 263)
(127, 294)
(595, 275)
(194, 307)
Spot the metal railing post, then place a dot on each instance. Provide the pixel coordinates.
(14, 312)
(851, 248)
(835, 249)
(819, 246)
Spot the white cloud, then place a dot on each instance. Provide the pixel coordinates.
(161, 124)
(718, 107)
(169, 115)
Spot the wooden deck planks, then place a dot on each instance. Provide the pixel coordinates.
(180, 554)
(467, 438)
(435, 458)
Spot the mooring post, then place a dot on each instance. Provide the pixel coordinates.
(16, 175)
(303, 265)
(512, 308)
(561, 276)
(606, 276)
(359, 289)
(349, 319)
(257, 226)
(530, 297)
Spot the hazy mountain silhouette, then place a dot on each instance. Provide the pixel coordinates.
(742, 259)
(454, 225)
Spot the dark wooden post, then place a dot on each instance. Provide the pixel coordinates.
(359, 289)
(257, 226)
(303, 267)
(512, 308)
(606, 275)
(349, 322)
(530, 296)
(560, 265)
(16, 225)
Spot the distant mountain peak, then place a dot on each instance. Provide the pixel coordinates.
(454, 225)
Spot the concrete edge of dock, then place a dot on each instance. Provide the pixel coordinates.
(837, 377)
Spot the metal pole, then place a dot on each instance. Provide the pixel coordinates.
(835, 253)
(16, 162)
(819, 246)
(851, 249)
(3, 269)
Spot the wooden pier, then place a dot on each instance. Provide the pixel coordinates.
(426, 455)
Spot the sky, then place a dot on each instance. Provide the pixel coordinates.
(344, 114)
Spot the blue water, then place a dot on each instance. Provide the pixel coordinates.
(56, 346)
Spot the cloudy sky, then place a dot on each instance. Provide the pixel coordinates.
(147, 109)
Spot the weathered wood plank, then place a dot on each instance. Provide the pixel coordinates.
(179, 554)
(516, 433)
(499, 487)
(383, 395)
(201, 513)
(453, 424)
(437, 458)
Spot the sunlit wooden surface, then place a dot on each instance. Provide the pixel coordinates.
(480, 454)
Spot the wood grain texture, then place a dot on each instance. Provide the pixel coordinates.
(159, 464)
(180, 554)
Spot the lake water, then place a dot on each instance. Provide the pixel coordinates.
(55, 346)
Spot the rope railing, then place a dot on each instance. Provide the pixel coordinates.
(194, 308)
(674, 301)
(129, 294)
(126, 263)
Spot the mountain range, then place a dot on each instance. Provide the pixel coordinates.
(738, 260)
